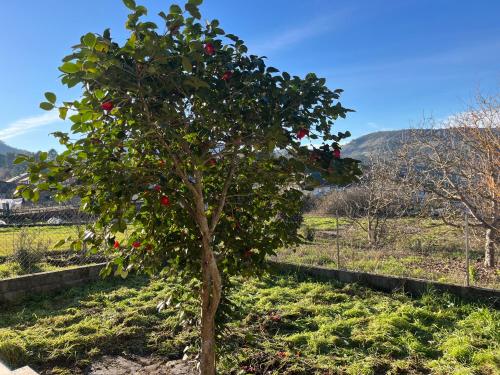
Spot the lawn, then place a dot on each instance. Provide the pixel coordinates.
(284, 324)
(48, 236)
(412, 247)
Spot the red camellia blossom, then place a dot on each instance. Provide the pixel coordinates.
(157, 187)
(116, 245)
(275, 317)
(302, 133)
(336, 153)
(209, 49)
(107, 106)
(136, 244)
(165, 201)
(282, 354)
(227, 76)
(212, 162)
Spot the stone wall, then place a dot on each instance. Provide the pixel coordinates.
(414, 287)
(16, 288)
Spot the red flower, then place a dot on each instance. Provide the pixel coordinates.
(275, 317)
(212, 162)
(136, 244)
(336, 153)
(282, 354)
(165, 201)
(302, 133)
(116, 245)
(248, 254)
(157, 187)
(161, 162)
(209, 49)
(227, 76)
(107, 106)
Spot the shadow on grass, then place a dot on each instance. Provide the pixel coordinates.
(39, 306)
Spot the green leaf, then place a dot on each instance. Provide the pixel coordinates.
(27, 194)
(163, 15)
(89, 40)
(60, 243)
(69, 68)
(51, 97)
(63, 111)
(46, 106)
(195, 2)
(43, 155)
(175, 9)
(20, 158)
(99, 94)
(186, 64)
(193, 10)
(130, 4)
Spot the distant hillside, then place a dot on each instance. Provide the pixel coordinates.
(6, 149)
(361, 148)
(7, 156)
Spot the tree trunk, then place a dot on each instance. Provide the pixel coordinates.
(372, 233)
(489, 248)
(210, 295)
(207, 358)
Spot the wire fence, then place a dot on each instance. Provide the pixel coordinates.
(28, 236)
(415, 247)
(406, 247)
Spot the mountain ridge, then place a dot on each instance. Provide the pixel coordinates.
(6, 149)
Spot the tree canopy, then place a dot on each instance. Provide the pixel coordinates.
(189, 147)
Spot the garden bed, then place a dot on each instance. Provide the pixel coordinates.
(284, 324)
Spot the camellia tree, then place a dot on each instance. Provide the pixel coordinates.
(188, 151)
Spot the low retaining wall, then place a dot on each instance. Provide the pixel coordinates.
(16, 288)
(414, 287)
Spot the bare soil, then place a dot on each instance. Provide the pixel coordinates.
(109, 365)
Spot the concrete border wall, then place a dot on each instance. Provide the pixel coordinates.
(17, 288)
(414, 287)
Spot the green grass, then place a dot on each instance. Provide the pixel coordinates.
(11, 269)
(323, 223)
(283, 325)
(49, 234)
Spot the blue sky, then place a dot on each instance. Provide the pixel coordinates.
(396, 59)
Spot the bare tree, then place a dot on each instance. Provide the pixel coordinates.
(457, 163)
(381, 193)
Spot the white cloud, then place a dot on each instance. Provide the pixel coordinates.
(377, 127)
(26, 125)
(297, 34)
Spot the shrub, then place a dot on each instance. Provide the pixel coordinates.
(309, 233)
(29, 249)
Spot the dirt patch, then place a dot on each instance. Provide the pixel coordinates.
(141, 366)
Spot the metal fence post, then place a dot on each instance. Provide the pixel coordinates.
(337, 239)
(467, 281)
